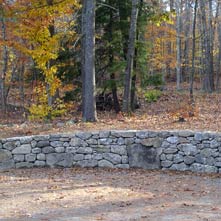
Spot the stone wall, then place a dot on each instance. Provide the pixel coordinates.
(176, 150)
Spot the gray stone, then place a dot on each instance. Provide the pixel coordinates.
(203, 168)
(113, 158)
(41, 137)
(59, 149)
(66, 144)
(169, 157)
(43, 143)
(92, 141)
(189, 160)
(210, 161)
(97, 156)
(41, 156)
(24, 165)
(71, 149)
(143, 157)
(77, 142)
(122, 166)
(166, 163)
(211, 169)
(153, 134)
(59, 159)
(5, 155)
(102, 149)
(36, 150)
(129, 141)
(121, 150)
(163, 157)
(33, 143)
(201, 136)
(206, 152)
(214, 144)
(200, 159)
(7, 165)
(85, 150)
(39, 163)
(64, 139)
(120, 141)
(26, 140)
(152, 142)
(88, 157)
(188, 149)
(30, 157)
(78, 157)
(137, 141)
(105, 141)
(183, 140)
(104, 134)
(172, 140)
(19, 158)
(170, 150)
(218, 164)
(165, 144)
(186, 133)
(125, 160)
(23, 149)
(87, 163)
(124, 134)
(105, 163)
(180, 167)
(84, 135)
(11, 145)
(1, 145)
(56, 143)
(178, 159)
(48, 150)
(142, 134)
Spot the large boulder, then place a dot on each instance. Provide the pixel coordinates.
(143, 157)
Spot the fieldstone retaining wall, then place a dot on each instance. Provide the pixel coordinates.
(175, 150)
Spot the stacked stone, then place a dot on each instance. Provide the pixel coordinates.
(178, 150)
(82, 149)
(197, 152)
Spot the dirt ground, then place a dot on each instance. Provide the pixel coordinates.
(104, 194)
(171, 112)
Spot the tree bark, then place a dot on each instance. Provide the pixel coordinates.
(88, 61)
(193, 52)
(178, 44)
(5, 64)
(130, 57)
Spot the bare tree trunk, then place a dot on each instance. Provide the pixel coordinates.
(218, 65)
(208, 84)
(187, 30)
(130, 57)
(178, 43)
(88, 61)
(111, 60)
(193, 52)
(4, 63)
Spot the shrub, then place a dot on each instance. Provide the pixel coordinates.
(154, 80)
(152, 95)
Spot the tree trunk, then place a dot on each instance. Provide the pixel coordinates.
(193, 52)
(5, 64)
(178, 44)
(208, 83)
(111, 60)
(88, 61)
(130, 57)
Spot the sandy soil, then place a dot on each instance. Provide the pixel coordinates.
(118, 195)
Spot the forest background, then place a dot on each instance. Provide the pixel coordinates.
(125, 64)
